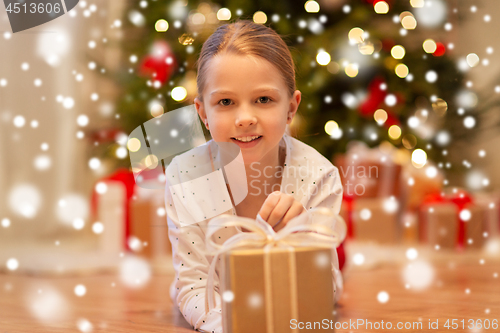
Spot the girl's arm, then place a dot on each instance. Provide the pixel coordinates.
(191, 266)
(329, 195)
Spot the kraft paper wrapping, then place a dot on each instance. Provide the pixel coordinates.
(489, 202)
(301, 288)
(147, 224)
(439, 226)
(371, 174)
(319, 229)
(410, 234)
(381, 227)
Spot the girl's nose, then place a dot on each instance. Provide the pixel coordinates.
(245, 117)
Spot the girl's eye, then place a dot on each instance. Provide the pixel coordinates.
(225, 102)
(264, 99)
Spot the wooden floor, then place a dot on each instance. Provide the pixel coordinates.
(463, 288)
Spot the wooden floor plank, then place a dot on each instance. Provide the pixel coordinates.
(120, 309)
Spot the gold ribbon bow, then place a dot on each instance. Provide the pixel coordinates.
(313, 228)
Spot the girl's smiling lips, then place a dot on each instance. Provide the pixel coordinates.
(249, 144)
(244, 136)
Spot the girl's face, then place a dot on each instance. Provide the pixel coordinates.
(246, 96)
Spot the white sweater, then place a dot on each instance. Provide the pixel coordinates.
(307, 176)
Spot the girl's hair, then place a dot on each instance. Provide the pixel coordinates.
(245, 37)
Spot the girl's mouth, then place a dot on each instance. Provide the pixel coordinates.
(248, 144)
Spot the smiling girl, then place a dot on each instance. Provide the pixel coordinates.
(247, 97)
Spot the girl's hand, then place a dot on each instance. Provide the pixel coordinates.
(280, 206)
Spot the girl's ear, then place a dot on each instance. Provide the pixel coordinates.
(294, 105)
(198, 104)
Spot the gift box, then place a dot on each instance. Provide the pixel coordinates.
(271, 289)
(409, 229)
(418, 183)
(452, 220)
(387, 214)
(376, 220)
(110, 211)
(369, 173)
(108, 202)
(269, 279)
(440, 225)
(148, 223)
(490, 203)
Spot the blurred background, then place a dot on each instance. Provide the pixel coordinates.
(410, 87)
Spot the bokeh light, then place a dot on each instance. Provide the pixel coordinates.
(365, 214)
(84, 325)
(133, 144)
(440, 107)
(418, 275)
(223, 14)
(383, 297)
(5, 222)
(331, 126)
(97, 227)
(409, 141)
(323, 58)
(358, 259)
(402, 70)
(443, 138)
(431, 171)
(80, 290)
(469, 122)
(429, 46)
(151, 161)
(198, 18)
(352, 70)
(356, 35)
(431, 76)
(390, 205)
(390, 100)
(121, 152)
(413, 122)
(94, 163)
(417, 3)
(366, 48)
(472, 59)
(394, 132)
(71, 207)
(311, 6)
(380, 116)
(336, 133)
(25, 200)
(135, 272)
(12, 264)
(398, 52)
(161, 25)
(42, 162)
(228, 296)
(156, 109)
(19, 121)
(411, 253)
(47, 304)
(260, 17)
(381, 7)
(419, 158)
(408, 21)
(179, 94)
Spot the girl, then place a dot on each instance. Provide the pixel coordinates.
(247, 97)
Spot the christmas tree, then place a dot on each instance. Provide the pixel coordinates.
(368, 70)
